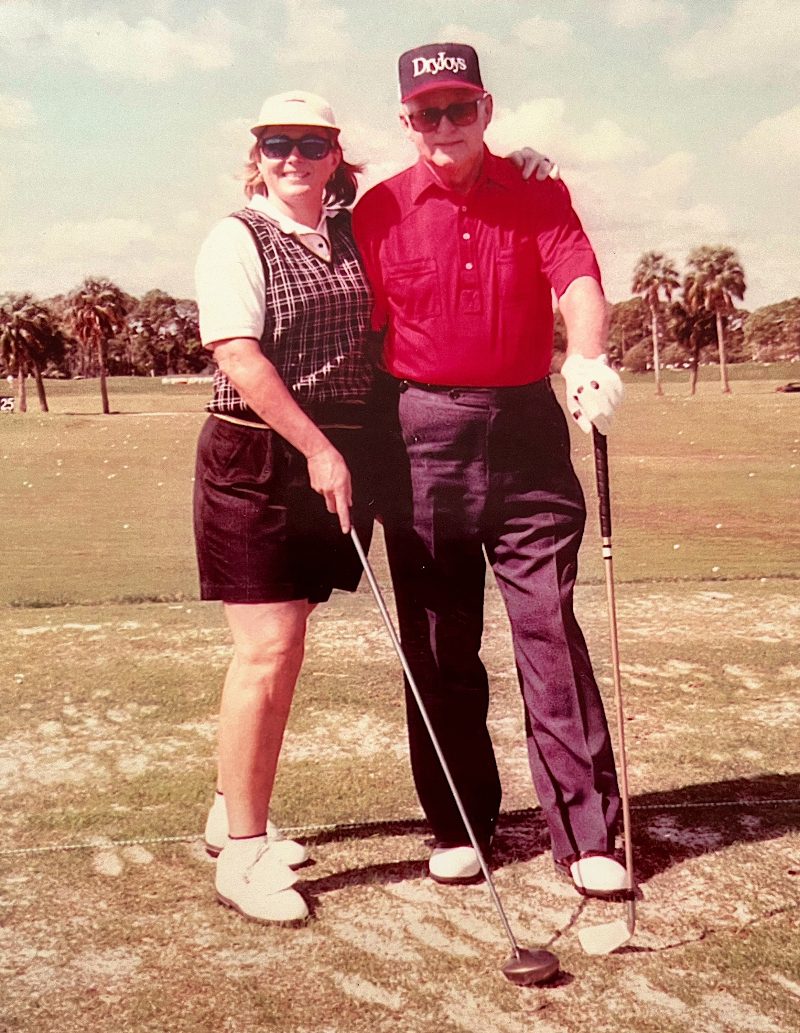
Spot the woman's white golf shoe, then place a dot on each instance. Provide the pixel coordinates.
(252, 880)
(289, 851)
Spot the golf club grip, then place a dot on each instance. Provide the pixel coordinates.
(601, 472)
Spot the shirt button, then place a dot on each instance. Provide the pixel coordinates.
(463, 207)
(467, 236)
(468, 265)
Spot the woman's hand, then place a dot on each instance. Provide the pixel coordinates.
(328, 474)
(258, 382)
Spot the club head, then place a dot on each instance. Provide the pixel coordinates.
(603, 939)
(528, 968)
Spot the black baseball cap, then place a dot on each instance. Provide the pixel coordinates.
(436, 65)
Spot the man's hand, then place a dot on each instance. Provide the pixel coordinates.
(594, 391)
(328, 474)
(529, 161)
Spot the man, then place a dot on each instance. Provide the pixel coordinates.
(462, 254)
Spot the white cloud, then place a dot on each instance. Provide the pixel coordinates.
(134, 254)
(672, 173)
(756, 37)
(606, 142)
(541, 124)
(773, 143)
(22, 24)
(384, 151)
(89, 241)
(772, 267)
(15, 112)
(190, 219)
(484, 43)
(316, 33)
(147, 49)
(631, 14)
(630, 206)
(555, 37)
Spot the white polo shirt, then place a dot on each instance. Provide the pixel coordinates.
(229, 277)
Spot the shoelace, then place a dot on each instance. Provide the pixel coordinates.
(259, 854)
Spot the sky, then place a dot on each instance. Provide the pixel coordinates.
(123, 126)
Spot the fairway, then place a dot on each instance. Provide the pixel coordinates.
(99, 508)
(109, 678)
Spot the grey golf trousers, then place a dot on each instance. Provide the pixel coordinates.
(477, 474)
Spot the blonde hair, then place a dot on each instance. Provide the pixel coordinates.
(340, 189)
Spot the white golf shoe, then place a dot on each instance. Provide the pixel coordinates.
(594, 874)
(253, 881)
(289, 851)
(457, 865)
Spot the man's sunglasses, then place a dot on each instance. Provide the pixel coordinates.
(462, 113)
(315, 148)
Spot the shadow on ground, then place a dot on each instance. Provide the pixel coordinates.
(741, 810)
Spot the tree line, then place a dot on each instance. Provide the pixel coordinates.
(683, 321)
(99, 330)
(688, 320)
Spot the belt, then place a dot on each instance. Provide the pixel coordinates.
(454, 392)
(323, 424)
(463, 389)
(240, 423)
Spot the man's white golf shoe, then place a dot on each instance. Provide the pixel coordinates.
(456, 865)
(594, 874)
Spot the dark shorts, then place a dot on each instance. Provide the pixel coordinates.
(262, 534)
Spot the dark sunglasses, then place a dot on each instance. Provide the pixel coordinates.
(315, 148)
(462, 113)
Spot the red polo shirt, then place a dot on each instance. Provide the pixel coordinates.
(463, 280)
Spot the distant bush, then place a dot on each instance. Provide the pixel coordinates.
(639, 358)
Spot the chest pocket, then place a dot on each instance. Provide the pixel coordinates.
(516, 267)
(413, 288)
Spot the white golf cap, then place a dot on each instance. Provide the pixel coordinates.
(295, 108)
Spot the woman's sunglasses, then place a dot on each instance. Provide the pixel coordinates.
(315, 148)
(462, 113)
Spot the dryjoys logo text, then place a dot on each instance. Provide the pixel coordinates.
(440, 63)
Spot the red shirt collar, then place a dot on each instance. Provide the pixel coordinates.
(494, 170)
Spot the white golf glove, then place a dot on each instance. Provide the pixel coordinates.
(531, 161)
(594, 391)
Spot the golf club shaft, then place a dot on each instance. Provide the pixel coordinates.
(387, 620)
(604, 499)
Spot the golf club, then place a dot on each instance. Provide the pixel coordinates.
(603, 939)
(525, 967)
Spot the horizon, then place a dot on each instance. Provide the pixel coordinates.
(123, 127)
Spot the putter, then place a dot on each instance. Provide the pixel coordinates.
(603, 939)
(525, 967)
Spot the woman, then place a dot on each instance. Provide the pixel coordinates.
(281, 463)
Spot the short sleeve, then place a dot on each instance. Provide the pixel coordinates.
(229, 280)
(565, 250)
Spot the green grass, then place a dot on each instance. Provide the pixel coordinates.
(107, 738)
(99, 508)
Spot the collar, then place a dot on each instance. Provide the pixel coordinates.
(286, 224)
(496, 171)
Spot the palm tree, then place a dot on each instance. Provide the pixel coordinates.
(714, 277)
(654, 274)
(693, 332)
(27, 338)
(95, 312)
